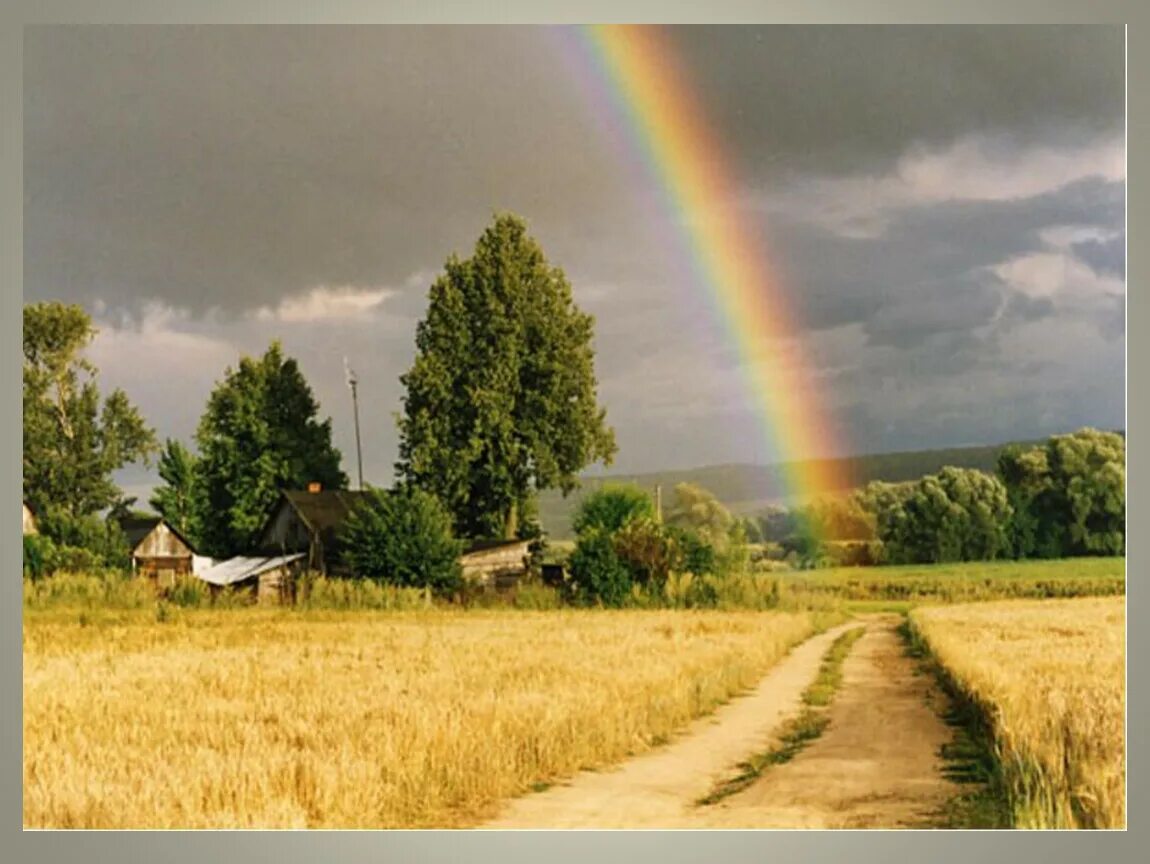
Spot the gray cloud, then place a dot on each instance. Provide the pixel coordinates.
(206, 190)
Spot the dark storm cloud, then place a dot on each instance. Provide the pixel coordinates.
(848, 99)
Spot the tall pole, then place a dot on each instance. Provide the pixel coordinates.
(353, 382)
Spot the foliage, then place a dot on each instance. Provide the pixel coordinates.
(174, 499)
(39, 556)
(73, 440)
(611, 506)
(501, 399)
(258, 435)
(1068, 496)
(959, 514)
(699, 511)
(403, 537)
(597, 572)
(83, 542)
(694, 555)
(646, 550)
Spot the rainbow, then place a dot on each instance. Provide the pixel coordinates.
(633, 71)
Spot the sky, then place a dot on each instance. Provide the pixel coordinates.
(945, 207)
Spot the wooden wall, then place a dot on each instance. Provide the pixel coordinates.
(500, 567)
(29, 521)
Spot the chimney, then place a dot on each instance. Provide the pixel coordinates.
(313, 488)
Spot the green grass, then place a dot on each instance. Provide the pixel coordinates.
(800, 731)
(871, 588)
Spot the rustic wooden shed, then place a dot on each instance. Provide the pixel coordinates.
(309, 521)
(29, 521)
(498, 564)
(159, 551)
(270, 580)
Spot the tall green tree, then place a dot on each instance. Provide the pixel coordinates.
(174, 499)
(501, 399)
(697, 509)
(73, 439)
(258, 435)
(958, 514)
(1069, 495)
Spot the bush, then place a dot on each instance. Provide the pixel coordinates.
(646, 551)
(85, 542)
(611, 507)
(403, 537)
(695, 555)
(39, 556)
(597, 573)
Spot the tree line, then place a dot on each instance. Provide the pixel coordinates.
(1063, 498)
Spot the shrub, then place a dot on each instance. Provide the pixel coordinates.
(597, 573)
(695, 555)
(403, 537)
(645, 550)
(611, 507)
(39, 556)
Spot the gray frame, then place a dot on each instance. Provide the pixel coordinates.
(507, 846)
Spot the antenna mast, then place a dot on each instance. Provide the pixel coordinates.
(353, 382)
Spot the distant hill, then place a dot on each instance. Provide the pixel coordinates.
(749, 488)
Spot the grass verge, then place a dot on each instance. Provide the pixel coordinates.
(969, 757)
(798, 732)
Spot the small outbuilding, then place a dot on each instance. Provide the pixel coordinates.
(270, 580)
(29, 521)
(498, 564)
(309, 521)
(159, 551)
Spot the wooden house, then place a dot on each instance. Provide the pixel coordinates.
(159, 551)
(309, 521)
(498, 564)
(269, 580)
(29, 520)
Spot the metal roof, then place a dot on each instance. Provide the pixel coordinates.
(241, 568)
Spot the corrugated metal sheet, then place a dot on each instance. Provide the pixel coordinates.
(238, 569)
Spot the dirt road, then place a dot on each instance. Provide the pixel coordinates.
(875, 766)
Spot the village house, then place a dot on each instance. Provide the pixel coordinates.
(269, 580)
(498, 564)
(159, 551)
(29, 521)
(309, 521)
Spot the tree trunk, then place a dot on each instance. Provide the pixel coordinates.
(511, 522)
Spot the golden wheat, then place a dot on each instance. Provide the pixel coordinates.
(1051, 674)
(244, 718)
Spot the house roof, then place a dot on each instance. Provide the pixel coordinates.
(136, 528)
(242, 568)
(477, 546)
(323, 512)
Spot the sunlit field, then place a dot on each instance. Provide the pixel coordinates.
(279, 718)
(1051, 676)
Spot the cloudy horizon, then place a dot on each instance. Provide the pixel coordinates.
(947, 206)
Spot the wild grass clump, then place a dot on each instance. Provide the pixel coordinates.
(320, 592)
(1049, 678)
(100, 590)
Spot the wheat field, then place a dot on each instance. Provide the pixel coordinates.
(1051, 675)
(262, 718)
